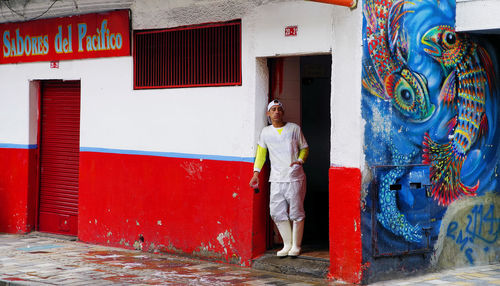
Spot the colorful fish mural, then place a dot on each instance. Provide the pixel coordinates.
(431, 106)
(465, 89)
(392, 79)
(390, 216)
(388, 77)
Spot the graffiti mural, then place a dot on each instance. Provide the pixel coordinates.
(480, 225)
(465, 89)
(430, 101)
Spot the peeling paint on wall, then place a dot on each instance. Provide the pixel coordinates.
(226, 240)
(193, 169)
(138, 245)
(123, 242)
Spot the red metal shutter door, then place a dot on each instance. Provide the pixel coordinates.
(59, 157)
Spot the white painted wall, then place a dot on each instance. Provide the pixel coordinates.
(314, 21)
(475, 15)
(347, 123)
(113, 115)
(208, 120)
(14, 107)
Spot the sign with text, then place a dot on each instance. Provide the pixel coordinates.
(76, 37)
(291, 31)
(54, 64)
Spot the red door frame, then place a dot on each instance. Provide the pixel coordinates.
(36, 182)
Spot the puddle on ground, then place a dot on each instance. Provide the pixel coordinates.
(39, 247)
(132, 260)
(38, 252)
(162, 270)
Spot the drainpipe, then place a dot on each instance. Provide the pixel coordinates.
(348, 3)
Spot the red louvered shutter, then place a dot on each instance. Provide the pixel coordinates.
(200, 55)
(59, 157)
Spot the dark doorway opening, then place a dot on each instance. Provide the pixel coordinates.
(315, 78)
(303, 84)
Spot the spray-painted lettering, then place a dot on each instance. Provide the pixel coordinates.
(482, 226)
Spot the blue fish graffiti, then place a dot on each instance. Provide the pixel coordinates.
(443, 114)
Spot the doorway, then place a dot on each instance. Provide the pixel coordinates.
(303, 84)
(59, 144)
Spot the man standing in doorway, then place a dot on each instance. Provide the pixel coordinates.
(288, 150)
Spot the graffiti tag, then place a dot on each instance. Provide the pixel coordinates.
(481, 225)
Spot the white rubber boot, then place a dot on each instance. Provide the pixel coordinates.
(285, 230)
(298, 231)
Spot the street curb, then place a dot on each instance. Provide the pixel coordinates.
(10, 283)
(4, 282)
(21, 282)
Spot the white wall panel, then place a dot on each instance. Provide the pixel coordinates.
(347, 123)
(314, 21)
(113, 115)
(185, 120)
(476, 15)
(14, 107)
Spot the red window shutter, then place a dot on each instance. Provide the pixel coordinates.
(202, 55)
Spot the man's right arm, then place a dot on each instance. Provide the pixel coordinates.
(260, 159)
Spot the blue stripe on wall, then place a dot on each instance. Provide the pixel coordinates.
(18, 146)
(168, 154)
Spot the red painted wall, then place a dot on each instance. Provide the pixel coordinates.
(192, 206)
(17, 214)
(345, 224)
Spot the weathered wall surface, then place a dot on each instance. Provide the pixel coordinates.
(347, 152)
(469, 233)
(430, 100)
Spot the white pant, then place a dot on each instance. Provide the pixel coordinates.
(287, 201)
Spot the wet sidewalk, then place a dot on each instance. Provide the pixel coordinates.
(36, 259)
(469, 276)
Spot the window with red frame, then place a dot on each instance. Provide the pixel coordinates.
(202, 55)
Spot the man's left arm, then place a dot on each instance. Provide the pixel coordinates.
(304, 150)
(303, 153)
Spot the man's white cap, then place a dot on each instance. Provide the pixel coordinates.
(273, 103)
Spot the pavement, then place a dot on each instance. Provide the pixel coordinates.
(37, 259)
(469, 276)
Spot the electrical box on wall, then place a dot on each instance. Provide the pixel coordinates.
(404, 212)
